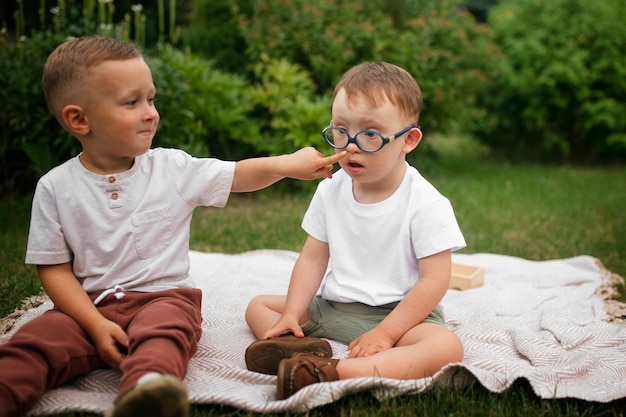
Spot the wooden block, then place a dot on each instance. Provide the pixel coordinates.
(466, 276)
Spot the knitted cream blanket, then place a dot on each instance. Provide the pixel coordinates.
(545, 321)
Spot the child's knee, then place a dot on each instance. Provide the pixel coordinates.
(454, 347)
(255, 305)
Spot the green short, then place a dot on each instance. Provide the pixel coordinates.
(344, 322)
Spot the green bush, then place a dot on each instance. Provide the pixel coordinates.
(562, 93)
(444, 49)
(31, 140)
(214, 33)
(203, 110)
(285, 97)
(325, 37)
(451, 57)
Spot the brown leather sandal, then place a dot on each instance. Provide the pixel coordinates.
(301, 370)
(264, 355)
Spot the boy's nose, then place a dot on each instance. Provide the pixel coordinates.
(352, 148)
(152, 112)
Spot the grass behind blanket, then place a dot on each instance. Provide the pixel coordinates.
(527, 210)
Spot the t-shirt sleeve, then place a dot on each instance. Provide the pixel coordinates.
(202, 181)
(434, 228)
(314, 220)
(46, 242)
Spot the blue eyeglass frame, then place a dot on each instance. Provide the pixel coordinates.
(352, 139)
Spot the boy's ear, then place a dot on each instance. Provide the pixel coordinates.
(413, 138)
(74, 120)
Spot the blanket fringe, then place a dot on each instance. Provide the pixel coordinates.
(609, 291)
(7, 323)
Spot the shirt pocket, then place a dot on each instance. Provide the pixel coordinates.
(153, 231)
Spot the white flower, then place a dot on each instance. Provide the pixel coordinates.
(136, 7)
(55, 10)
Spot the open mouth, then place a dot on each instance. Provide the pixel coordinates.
(354, 165)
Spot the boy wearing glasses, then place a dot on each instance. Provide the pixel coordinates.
(377, 260)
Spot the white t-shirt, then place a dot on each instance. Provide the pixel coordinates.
(129, 229)
(375, 248)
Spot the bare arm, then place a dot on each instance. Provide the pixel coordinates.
(61, 285)
(306, 278)
(306, 164)
(434, 278)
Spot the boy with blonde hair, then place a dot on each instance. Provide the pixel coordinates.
(109, 234)
(378, 252)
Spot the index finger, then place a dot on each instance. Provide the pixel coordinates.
(330, 160)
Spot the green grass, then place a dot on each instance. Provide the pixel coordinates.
(17, 280)
(534, 211)
(527, 210)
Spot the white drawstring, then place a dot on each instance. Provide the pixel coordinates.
(118, 291)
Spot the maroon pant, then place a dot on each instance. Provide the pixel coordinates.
(163, 328)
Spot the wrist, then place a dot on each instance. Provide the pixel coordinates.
(284, 166)
(387, 333)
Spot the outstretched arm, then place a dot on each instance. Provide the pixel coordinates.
(68, 296)
(306, 164)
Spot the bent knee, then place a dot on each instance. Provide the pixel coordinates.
(261, 301)
(457, 351)
(264, 303)
(442, 340)
(254, 305)
(450, 343)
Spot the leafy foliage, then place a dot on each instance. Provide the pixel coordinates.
(213, 32)
(562, 93)
(448, 54)
(31, 140)
(203, 110)
(452, 58)
(326, 37)
(285, 97)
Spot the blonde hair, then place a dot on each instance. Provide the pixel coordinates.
(377, 81)
(67, 66)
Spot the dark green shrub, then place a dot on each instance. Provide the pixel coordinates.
(444, 49)
(213, 32)
(479, 8)
(325, 37)
(452, 59)
(562, 94)
(285, 96)
(203, 110)
(31, 140)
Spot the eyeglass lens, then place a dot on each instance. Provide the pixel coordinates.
(367, 140)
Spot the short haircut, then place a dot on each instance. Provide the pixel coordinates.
(68, 65)
(377, 81)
